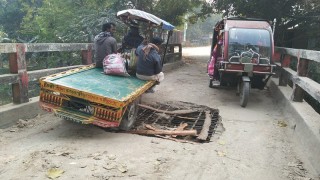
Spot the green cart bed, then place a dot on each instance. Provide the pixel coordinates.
(90, 94)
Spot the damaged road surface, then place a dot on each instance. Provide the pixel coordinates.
(177, 121)
(251, 144)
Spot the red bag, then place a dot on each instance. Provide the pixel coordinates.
(114, 64)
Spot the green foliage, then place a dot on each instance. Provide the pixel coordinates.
(5, 94)
(79, 20)
(175, 10)
(3, 36)
(66, 20)
(45, 60)
(170, 10)
(201, 31)
(10, 17)
(314, 71)
(299, 14)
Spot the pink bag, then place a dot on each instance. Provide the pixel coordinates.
(211, 64)
(113, 64)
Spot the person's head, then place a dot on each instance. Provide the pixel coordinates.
(109, 27)
(157, 41)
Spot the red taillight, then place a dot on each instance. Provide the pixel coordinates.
(234, 67)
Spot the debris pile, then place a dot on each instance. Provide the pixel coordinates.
(177, 121)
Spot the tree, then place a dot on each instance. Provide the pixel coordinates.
(170, 10)
(10, 17)
(3, 37)
(201, 31)
(288, 13)
(80, 20)
(66, 20)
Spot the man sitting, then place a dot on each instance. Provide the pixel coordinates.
(149, 66)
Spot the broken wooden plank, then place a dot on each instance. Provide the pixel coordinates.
(165, 132)
(174, 139)
(185, 111)
(181, 127)
(205, 128)
(186, 118)
(150, 127)
(154, 131)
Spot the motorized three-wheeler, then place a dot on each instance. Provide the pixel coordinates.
(241, 55)
(88, 96)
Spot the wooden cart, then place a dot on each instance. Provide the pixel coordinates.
(88, 96)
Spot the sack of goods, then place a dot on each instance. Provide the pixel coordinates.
(114, 64)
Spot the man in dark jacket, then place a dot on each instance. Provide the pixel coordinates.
(133, 39)
(104, 43)
(149, 66)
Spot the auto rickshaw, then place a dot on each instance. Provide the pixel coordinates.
(241, 55)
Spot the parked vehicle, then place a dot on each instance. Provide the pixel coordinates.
(241, 55)
(88, 96)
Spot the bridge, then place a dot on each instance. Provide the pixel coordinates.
(257, 137)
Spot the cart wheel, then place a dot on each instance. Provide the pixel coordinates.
(244, 93)
(129, 117)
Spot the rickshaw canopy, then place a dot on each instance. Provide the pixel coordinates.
(138, 15)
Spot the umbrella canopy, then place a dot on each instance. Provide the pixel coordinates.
(134, 14)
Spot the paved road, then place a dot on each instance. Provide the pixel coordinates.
(251, 142)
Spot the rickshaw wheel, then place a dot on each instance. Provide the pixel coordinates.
(130, 116)
(244, 93)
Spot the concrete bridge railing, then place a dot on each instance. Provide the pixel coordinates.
(303, 121)
(301, 82)
(19, 76)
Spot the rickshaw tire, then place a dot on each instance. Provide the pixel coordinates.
(130, 116)
(244, 94)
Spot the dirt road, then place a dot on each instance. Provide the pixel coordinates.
(253, 143)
